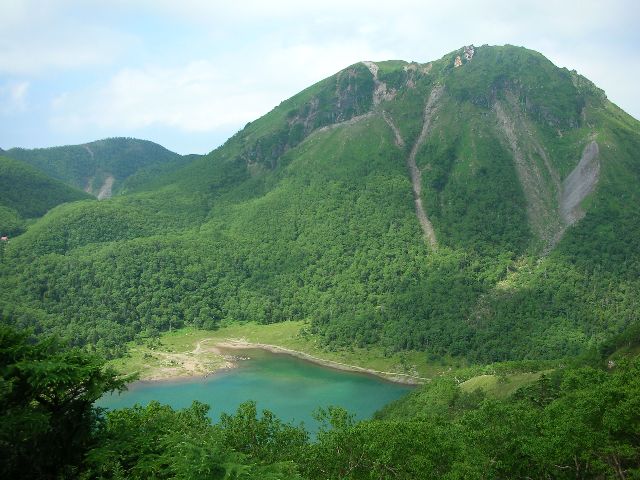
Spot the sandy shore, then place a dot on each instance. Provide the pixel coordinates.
(200, 362)
(395, 377)
(207, 360)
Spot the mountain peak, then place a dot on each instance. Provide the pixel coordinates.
(467, 54)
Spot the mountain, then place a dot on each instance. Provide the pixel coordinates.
(480, 207)
(105, 166)
(28, 193)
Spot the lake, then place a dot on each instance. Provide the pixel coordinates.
(290, 387)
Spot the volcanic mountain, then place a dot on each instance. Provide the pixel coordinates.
(483, 205)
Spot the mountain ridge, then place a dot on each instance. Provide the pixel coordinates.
(100, 166)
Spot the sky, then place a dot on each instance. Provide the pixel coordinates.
(188, 74)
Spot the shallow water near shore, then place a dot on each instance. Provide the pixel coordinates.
(290, 387)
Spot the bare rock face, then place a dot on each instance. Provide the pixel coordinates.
(105, 189)
(416, 176)
(580, 183)
(468, 52)
(552, 204)
(346, 102)
(381, 91)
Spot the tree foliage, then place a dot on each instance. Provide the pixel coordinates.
(46, 399)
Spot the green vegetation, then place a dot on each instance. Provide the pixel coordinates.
(499, 386)
(30, 193)
(576, 421)
(471, 187)
(148, 354)
(47, 419)
(10, 222)
(304, 223)
(548, 93)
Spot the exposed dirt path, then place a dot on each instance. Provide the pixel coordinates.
(416, 176)
(107, 186)
(89, 186)
(351, 121)
(198, 348)
(86, 147)
(381, 92)
(196, 363)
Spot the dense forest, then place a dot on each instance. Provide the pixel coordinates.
(28, 193)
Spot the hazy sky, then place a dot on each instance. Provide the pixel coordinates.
(189, 73)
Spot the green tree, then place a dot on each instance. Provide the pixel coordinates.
(47, 393)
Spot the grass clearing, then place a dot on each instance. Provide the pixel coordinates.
(500, 386)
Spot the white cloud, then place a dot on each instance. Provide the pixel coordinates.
(202, 95)
(192, 98)
(13, 96)
(38, 36)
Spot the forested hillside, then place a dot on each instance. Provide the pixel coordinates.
(484, 211)
(105, 166)
(27, 193)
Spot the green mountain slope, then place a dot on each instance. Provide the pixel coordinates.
(105, 166)
(483, 211)
(28, 193)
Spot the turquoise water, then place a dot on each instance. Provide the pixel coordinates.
(290, 387)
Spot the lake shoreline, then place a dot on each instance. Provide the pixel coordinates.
(231, 363)
(394, 377)
(291, 388)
